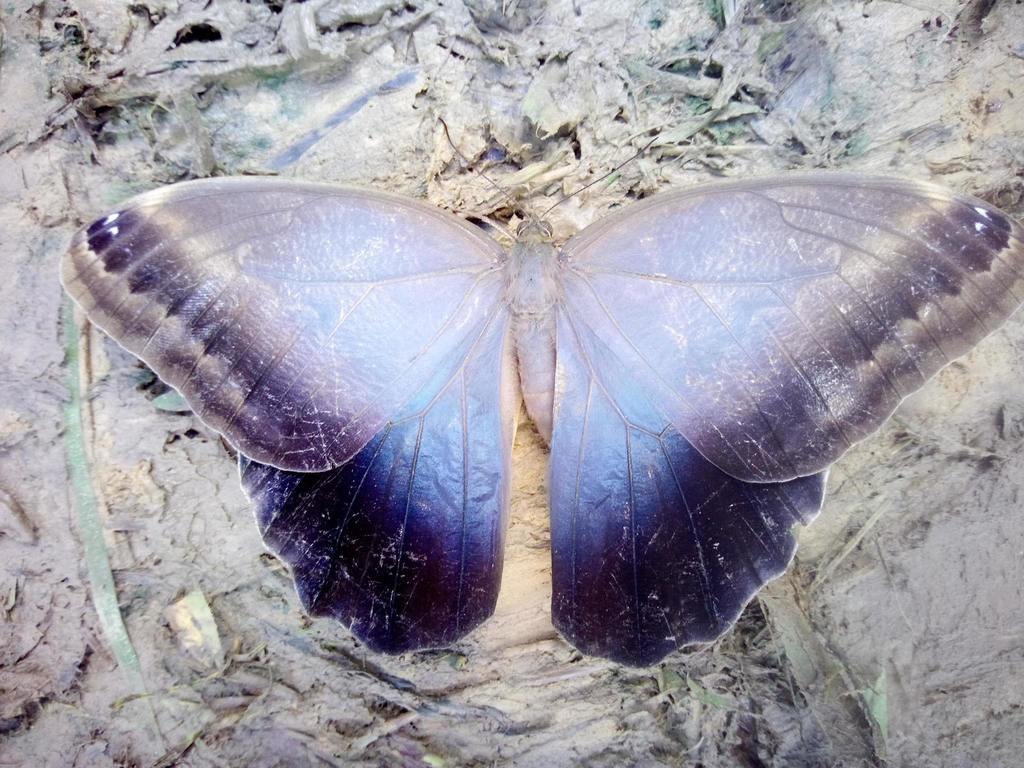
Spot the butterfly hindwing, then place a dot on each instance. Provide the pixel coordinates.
(404, 542)
(653, 546)
(778, 321)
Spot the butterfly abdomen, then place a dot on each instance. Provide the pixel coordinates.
(532, 292)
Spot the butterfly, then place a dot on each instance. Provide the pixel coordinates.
(695, 361)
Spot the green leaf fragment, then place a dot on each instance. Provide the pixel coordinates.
(857, 145)
(877, 699)
(705, 696)
(727, 133)
(669, 680)
(769, 44)
(171, 401)
(193, 623)
(90, 527)
(716, 11)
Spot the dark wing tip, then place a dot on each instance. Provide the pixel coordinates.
(135, 281)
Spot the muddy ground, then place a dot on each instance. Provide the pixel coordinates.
(896, 637)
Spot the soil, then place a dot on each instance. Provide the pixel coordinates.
(895, 638)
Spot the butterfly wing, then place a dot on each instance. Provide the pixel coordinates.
(653, 546)
(779, 321)
(295, 319)
(716, 351)
(404, 542)
(354, 348)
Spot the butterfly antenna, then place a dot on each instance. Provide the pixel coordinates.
(480, 173)
(599, 179)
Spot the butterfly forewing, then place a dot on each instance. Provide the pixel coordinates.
(779, 321)
(295, 319)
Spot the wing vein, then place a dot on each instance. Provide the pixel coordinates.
(851, 328)
(212, 340)
(410, 278)
(307, 360)
(275, 360)
(576, 498)
(650, 367)
(705, 585)
(871, 225)
(665, 279)
(400, 559)
(781, 208)
(881, 324)
(412, 361)
(802, 373)
(634, 564)
(332, 567)
(167, 242)
(464, 405)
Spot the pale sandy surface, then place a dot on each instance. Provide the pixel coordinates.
(896, 638)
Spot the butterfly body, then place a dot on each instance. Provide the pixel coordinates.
(696, 362)
(533, 292)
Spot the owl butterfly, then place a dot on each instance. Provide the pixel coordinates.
(696, 362)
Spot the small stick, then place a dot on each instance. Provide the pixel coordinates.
(483, 175)
(585, 187)
(599, 179)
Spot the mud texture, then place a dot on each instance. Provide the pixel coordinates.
(896, 638)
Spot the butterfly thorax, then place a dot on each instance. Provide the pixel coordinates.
(532, 291)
